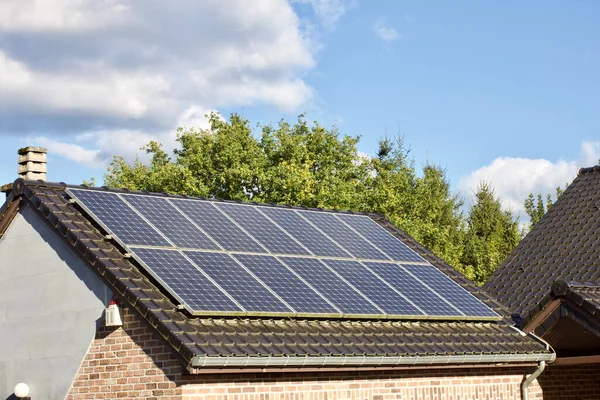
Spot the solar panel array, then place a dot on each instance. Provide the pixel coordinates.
(220, 258)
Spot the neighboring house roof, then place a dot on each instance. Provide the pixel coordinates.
(285, 342)
(568, 318)
(564, 244)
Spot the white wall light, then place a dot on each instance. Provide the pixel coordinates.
(112, 316)
(21, 390)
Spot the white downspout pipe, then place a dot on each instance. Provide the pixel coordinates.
(541, 367)
(530, 378)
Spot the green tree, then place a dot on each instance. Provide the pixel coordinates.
(423, 205)
(536, 208)
(492, 233)
(308, 165)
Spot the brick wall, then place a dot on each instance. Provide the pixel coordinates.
(465, 384)
(577, 382)
(134, 363)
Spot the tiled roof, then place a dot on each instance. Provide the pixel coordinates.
(221, 341)
(584, 294)
(564, 244)
(568, 318)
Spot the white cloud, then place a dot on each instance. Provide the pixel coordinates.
(62, 15)
(514, 178)
(385, 32)
(123, 64)
(100, 90)
(329, 11)
(95, 149)
(94, 78)
(71, 151)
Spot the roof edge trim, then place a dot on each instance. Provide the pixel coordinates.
(373, 361)
(589, 169)
(7, 214)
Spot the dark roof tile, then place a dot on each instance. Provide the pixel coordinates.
(564, 244)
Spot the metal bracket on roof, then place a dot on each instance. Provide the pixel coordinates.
(108, 237)
(180, 307)
(127, 255)
(72, 201)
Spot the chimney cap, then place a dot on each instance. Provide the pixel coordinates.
(34, 149)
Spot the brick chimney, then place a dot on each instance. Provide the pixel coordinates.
(32, 163)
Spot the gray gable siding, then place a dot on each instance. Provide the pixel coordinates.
(50, 305)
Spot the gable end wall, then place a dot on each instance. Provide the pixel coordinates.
(50, 304)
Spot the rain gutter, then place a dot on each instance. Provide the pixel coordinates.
(367, 361)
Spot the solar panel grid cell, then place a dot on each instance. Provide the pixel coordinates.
(262, 229)
(450, 290)
(218, 226)
(352, 242)
(120, 219)
(304, 232)
(236, 281)
(330, 285)
(288, 286)
(421, 295)
(373, 287)
(190, 285)
(170, 222)
(377, 235)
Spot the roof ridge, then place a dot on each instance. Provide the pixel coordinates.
(63, 185)
(589, 169)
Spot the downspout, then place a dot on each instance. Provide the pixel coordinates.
(541, 367)
(530, 378)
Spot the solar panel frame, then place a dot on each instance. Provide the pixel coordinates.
(234, 240)
(336, 294)
(110, 231)
(357, 247)
(375, 288)
(491, 314)
(240, 295)
(235, 211)
(296, 282)
(407, 254)
(306, 234)
(463, 296)
(185, 235)
(151, 271)
(420, 294)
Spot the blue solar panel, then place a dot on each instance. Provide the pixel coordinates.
(219, 279)
(217, 225)
(381, 238)
(347, 238)
(236, 281)
(262, 229)
(330, 285)
(119, 218)
(450, 290)
(170, 222)
(373, 287)
(184, 279)
(287, 285)
(419, 294)
(304, 232)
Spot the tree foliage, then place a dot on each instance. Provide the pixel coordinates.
(536, 208)
(308, 165)
(492, 233)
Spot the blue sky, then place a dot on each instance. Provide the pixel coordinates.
(501, 91)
